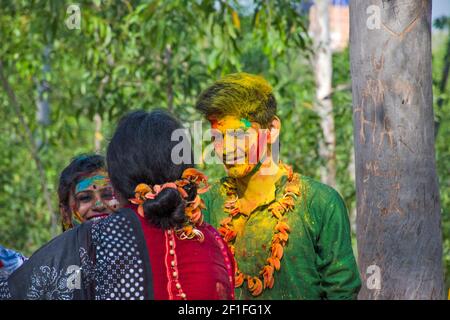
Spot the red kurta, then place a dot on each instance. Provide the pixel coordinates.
(189, 268)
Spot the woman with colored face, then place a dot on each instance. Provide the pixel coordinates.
(85, 192)
(94, 197)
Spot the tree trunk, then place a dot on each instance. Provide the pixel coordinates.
(320, 32)
(398, 221)
(43, 88)
(98, 137)
(351, 174)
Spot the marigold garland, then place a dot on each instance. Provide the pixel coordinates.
(265, 279)
(193, 209)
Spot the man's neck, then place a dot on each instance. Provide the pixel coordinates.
(259, 188)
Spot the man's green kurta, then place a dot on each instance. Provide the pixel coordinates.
(318, 261)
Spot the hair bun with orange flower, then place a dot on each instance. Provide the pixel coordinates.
(174, 204)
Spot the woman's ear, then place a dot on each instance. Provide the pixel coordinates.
(274, 130)
(66, 217)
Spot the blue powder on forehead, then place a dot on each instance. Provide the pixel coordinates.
(85, 183)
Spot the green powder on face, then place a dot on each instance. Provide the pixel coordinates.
(246, 123)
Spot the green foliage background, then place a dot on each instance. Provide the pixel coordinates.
(142, 55)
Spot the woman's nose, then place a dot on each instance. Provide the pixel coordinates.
(98, 204)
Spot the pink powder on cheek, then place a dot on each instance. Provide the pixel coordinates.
(214, 123)
(262, 143)
(113, 204)
(247, 170)
(253, 154)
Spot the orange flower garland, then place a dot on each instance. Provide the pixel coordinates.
(257, 284)
(193, 209)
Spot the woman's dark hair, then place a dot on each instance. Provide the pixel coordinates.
(140, 151)
(80, 167)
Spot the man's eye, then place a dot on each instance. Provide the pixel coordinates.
(237, 134)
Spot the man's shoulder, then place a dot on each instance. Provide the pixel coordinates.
(322, 204)
(316, 188)
(317, 195)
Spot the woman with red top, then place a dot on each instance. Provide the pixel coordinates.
(188, 258)
(156, 247)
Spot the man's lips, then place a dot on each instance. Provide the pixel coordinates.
(232, 159)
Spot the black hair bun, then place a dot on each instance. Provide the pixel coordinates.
(191, 190)
(166, 210)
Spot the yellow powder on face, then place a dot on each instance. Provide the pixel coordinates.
(230, 123)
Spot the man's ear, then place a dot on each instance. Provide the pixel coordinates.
(274, 130)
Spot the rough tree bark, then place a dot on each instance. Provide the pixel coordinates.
(398, 222)
(320, 32)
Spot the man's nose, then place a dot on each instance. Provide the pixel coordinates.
(218, 147)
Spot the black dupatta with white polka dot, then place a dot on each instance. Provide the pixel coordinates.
(105, 259)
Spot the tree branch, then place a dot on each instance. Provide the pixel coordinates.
(32, 145)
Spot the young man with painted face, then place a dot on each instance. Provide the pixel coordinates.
(290, 234)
